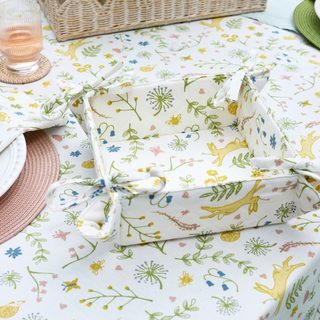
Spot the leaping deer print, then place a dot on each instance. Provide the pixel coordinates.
(72, 49)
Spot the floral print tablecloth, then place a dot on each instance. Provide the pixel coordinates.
(48, 271)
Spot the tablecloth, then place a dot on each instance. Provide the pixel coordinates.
(48, 271)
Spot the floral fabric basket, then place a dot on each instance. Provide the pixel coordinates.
(173, 158)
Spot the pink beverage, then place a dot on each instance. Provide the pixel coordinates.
(20, 35)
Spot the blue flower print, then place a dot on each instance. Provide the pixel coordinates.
(104, 141)
(113, 148)
(75, 154)
(188, 136)
(273, 141)
(264, 133)
(133, 61)
(253, 79)
(262, 120)
(209, 283)
(13, 252)
(75, 193)
(151, 196)
(99, 130)
(96, 193)
(276, 32)
(168, 199)
(221, 274)
(19, 113)
(112, 133)
(72, 122)
(143, 43)
(225, 287)
(258, 129)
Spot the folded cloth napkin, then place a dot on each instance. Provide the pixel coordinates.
(18, 114)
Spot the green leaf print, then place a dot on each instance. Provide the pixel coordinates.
(181, 313)
(40, 218)
(92, 51)
(223, 191)
(242, 161)
(65, 75)
(234, 24)
(294, 293)
(121, 251)
(65, 169)
(16, 106)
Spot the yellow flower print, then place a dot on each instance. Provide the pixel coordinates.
(231, 40)
(174, 121)
(69, 285)
(76, 64)
(125, 84)
(155, 183)
(96, 266)
(33, 105)
(314, 62)
(88, 66)
(256, 174)
(251, 28)
(11, 98)
(81, 69)
(247, 37)
(46, 84)
(108, 56)
(234, 36)
(101, 67)
(29, 93)
(289, 38)
(225, 35)
(294, 310)
(222, 178)
(209, 181)
(187, 58)
(212, 172)
(47, 28)
(317, 94)
(186, 279)
(79, 223)
(202, 50)
(306, 103)
(14, 92)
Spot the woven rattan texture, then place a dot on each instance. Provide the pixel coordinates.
(7, 77)
(26, 198)
(71, 19)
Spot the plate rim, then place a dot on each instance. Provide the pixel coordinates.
(19, 146)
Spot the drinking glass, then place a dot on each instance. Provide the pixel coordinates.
(21, 35)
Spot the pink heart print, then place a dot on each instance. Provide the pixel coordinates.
(237, 217)
(221, 140)
(173, 299)
(201, 91)
(118, 267)
(185, 195)
(152, 128)
(279, 231)
(181, 244)
(62, 306)
(57, 137)
(264, 276)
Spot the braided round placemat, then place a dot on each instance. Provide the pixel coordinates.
(7, 77)
(26, 198)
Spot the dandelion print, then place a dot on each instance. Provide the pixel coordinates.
(144, 55)
(86, 144)
(160, 99)
(285, 210)
(165, 74)
(237, 53)
(71, 218)
(291, 68)
(182, 28)
(152, 273)
(10, 278)
(178, 144)
(257, 246)
(227, 306)
(33, 316)
(288, 124)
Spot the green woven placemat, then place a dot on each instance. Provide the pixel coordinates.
(307, 22)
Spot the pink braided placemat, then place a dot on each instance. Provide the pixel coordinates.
(26, 198)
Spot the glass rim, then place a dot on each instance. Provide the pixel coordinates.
(17, 19)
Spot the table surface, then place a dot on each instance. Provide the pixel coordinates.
(60, 275)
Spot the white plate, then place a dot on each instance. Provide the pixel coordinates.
(317, 8)
(12, 160)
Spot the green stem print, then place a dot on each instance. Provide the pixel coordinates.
(219, 276)
(251, 91)
(311, 83)
(65, 169)
(65, 75)
(209, 119)
(273, 86)
(217, 257)
(32, 273)
(126, 100)
(152, 235)
(94, 246)
(272, 45)
(121, 250)
(114, 295)
(261, 220)
(213, 63)
(218, 44)
(294, 293)
(227, 306)
(101, 132)
(312, 123)
(39, 219)
(242, 161)
(153, 273)
(168, 200)
(291, 244)
(305, 186)
(306, 222)
(243, 42)
(187, 82)
(182, 225)
(125, 40)
(221, 191)
(259, 122)
(193, 130)
(177, 312)
(51, 41)
(37, 241)
(181, 164)
(156, 245)
(275, 98)
(186, 182)
(245, 120)
(98, 113)
(68, 135)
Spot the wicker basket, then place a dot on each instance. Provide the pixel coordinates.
(72, 19)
